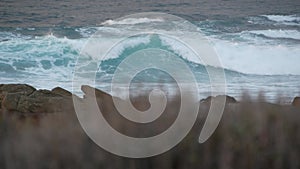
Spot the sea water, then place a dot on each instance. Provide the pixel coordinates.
(259, 51)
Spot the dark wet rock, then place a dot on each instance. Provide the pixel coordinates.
(61, 91)
(229, 99)
(43, 105)
(104, 100)
(30, 105)
(15, 102)
(23, 98)
(12, 92)
(43, 94)
(296, 102)
(23, 89)
(2, 95)
(10, 101)
(90, 92)
(206, 100)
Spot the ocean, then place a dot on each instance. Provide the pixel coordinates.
(257, 42)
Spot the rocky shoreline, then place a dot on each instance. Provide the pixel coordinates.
(25, 99)
(22, 98)
(39, 129)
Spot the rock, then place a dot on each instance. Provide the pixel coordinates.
(10, 101)
(25, 99)
(90, 91)
(23, 89)
(31, 105)
(296, 102)
(206, 100)
(61, 91)
(2, 95)
(229, 99)
(27, 104)
(14, 102)
(104, 100)
(43, 105)
(43, 94)
(16, 90)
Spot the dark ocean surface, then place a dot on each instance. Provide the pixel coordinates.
(45, 13)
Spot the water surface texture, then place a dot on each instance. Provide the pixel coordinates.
(258, 42)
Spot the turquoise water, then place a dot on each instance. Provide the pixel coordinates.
(258, 53)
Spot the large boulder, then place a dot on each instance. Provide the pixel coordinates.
(23, 89)
(39, 94)
(229, 99)
(2, 95)
(39, 101)
(26, 99)
(20, 89)
(61, 91)
(10, 101)
(296, 102)
(90, 92)
(43, 105)
(104, 100)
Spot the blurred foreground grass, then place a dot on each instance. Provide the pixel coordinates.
(251, 134)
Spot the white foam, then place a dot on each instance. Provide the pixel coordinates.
(5, 36)
(35, 50)
(102, 49)
(117, 50)
(257, 58)
(292, 34)
(284, 19)
(179, 48)
(131, 21)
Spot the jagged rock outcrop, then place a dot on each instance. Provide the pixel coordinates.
(229, 99)
(104, 100)
(23, 98)
(61, 91)
(18, 89)
(296, 102)
(23, 89)
(90, 92)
